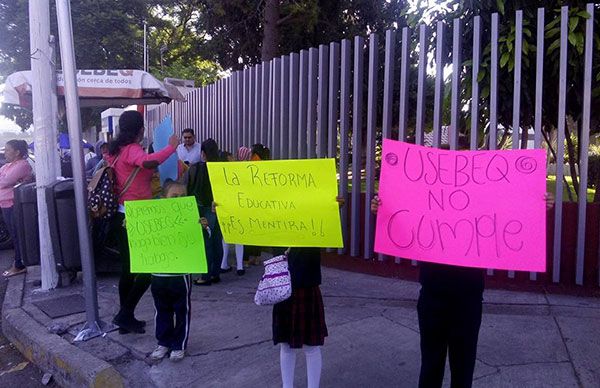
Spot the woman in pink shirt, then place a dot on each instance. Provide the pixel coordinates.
(132, 164)
(15, 171)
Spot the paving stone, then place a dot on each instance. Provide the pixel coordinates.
(582, 337)
(513, 340)
(531, 376)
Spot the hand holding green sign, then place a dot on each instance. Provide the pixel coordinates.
(165, 236)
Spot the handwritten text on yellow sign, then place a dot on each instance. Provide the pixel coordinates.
(278, 203)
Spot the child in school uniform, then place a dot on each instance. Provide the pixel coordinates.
(171, 294)
(299, 322)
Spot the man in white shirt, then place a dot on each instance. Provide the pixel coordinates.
(189, 151)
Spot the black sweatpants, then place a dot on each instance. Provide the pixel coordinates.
(449, 324)
(171, 295)
(131, 286)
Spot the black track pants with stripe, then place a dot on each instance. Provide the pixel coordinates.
(172, 299)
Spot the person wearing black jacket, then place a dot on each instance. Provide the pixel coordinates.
(198, 185)
(449, 310)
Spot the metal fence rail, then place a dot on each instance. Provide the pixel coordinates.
(312, 104)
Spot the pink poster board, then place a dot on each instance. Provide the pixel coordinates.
(482, 209)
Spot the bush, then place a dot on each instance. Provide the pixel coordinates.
(593, 166)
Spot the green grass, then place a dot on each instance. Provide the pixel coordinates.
(551, 187)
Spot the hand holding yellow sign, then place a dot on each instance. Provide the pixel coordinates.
(278, 203)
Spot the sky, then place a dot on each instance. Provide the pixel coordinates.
(7, 125)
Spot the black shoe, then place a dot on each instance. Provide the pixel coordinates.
(215, 280)
(128, 325)
(227, 270)
(241, 272)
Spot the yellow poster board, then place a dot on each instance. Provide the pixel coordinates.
(283, 203)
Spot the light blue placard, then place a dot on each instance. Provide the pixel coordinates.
(167, 170)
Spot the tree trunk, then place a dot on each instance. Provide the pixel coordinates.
(524, 138)
(597, 192)
(571, 153)
(270, 42)
(503, 140)
(553, 152)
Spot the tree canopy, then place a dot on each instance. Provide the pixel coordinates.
(577, 18)
(108, 34)
(191, 39)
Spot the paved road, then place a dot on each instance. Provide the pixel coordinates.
(15, 370)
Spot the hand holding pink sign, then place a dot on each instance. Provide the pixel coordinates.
(481, 209)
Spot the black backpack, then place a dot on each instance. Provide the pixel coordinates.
(103, 199)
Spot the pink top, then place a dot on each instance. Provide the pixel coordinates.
(12, 174)
(131, 157)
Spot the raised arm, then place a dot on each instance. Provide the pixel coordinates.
(138, 157)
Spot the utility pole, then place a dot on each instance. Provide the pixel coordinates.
(43, 122)
(93, 327)
(145, 68)
(56, 166)
(145, 46)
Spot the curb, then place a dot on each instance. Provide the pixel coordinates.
(69, 365)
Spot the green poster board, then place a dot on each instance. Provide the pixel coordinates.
(165, 236)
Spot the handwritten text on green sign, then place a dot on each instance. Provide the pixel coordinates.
(165, 236)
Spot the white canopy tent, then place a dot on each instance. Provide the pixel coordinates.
(98, 88)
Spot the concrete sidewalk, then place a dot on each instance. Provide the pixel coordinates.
(526, 340)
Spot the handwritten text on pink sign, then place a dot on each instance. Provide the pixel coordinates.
(481, 209)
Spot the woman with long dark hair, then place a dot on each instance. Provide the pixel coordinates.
(134, 168)
(16, 170)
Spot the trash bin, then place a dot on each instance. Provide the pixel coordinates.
(60, 198)
(66, 170)
(26, 222)
(62, 215)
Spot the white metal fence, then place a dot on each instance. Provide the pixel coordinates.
(312, 104)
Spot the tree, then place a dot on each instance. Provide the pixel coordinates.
(243, 33)
(108, 35)
(576, 33)
(105, 35)
(174, 44)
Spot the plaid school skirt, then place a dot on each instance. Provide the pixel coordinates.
(300, 320)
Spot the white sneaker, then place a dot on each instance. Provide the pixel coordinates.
(177, 355)
(159, 353)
